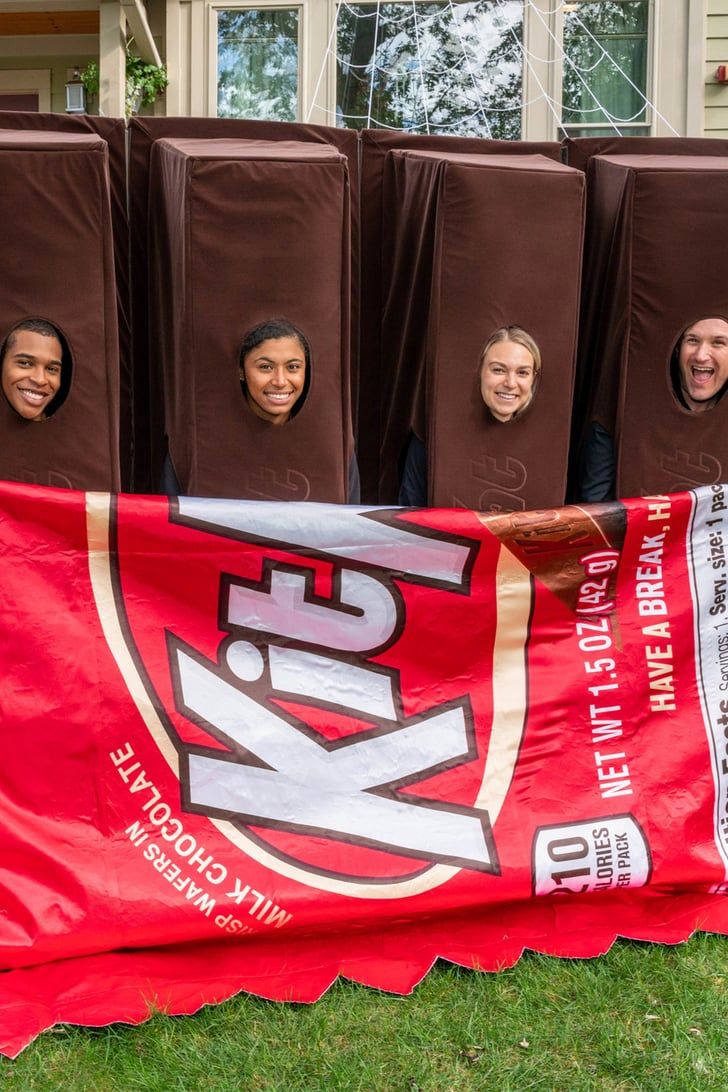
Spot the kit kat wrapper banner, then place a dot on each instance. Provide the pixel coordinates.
(253, 746)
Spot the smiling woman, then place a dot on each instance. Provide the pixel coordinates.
(510, 365)
(33, 368)
(509, 370)
(275, 364)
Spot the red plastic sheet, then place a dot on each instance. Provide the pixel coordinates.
(254, 746)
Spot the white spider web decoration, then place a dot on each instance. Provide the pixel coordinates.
(438, 66)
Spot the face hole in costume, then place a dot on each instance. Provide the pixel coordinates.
(698, 365)
(275, 372)
(508, 374)
(36, 370)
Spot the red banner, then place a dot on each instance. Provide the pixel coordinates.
(253, 746)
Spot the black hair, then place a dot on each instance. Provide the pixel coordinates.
(45, 328)
(270, 330)
(35, 326)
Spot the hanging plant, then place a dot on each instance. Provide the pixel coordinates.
(90, 79)
(144, 81)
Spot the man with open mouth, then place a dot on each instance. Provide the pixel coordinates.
(703, 364)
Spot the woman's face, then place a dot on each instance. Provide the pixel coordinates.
(31, 373)
(274, 374)
(507, 375)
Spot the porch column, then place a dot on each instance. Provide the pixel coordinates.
(112, 59)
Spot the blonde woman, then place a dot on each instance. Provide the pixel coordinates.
(509, 368)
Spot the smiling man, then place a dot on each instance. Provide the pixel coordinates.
(699, 376)
(702, 363)
(32, 363)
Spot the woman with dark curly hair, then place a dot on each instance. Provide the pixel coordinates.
(275, 367)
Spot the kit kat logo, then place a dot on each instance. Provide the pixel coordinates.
(321, 679)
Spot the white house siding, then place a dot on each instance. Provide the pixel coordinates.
(716, 94)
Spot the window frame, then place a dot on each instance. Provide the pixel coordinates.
(28, 81)
(261, 5)
(676, 47)
(645, 128)
(405, 3)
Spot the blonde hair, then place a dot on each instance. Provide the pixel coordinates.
(521, 337)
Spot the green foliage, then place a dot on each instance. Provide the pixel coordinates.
(90, 78)
(640, 1017)
(144, 81)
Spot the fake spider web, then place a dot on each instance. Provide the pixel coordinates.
(444, 67)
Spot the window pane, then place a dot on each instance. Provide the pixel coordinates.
(605, 69)
(431, 66)
(257, 63)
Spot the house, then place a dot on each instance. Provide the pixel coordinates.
(530, 69)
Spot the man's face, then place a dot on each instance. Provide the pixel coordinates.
(703, 363)
(31, 373)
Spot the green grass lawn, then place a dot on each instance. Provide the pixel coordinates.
(641, 1017)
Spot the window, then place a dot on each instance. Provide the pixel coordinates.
(508, 69)
(257, 63)
(431, 67)
(605, 67)
(26, 89)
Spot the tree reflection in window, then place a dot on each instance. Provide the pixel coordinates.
(605, 67)
(257, 63)
(431, 67)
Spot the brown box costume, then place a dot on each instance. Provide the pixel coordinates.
(57, 263)
(378, 221)
(113, 131)
(578, 151)
(242, 231)
(143, 132)
(497, 242)
(659, 225)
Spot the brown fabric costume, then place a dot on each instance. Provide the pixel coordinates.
(147, 380)
(660, 232)
(242, 231)
(378, 221)
(57, 263)
(578, 151)
(497, 242)
(113, 131)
